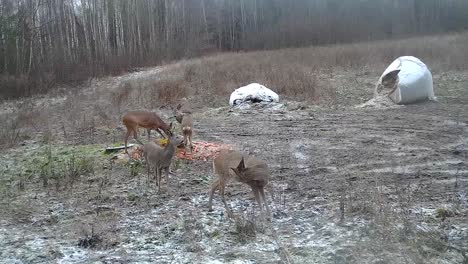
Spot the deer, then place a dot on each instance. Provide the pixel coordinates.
(160, 158)
(149, 120)
(232, 164)
(184, 117)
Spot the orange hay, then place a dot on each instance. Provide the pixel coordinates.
(201, 151)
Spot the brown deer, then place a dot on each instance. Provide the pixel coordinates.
(184, 117)
(160, 158)
(149, 120)
(244, 168)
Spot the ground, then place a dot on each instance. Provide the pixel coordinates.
(348, 185)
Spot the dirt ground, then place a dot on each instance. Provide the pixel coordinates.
(348, 185)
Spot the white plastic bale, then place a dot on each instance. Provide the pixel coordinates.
(252, 92)
(415, 81)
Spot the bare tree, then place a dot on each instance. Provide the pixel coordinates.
(70, 40)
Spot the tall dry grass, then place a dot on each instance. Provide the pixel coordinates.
(331, 75)
(308, 73)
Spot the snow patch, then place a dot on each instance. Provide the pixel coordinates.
(253, 92)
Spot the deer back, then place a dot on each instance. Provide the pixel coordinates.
(256, 171)
(144, 119)
(153, 153)
(187, 124)
(226, 160)
(160, 156)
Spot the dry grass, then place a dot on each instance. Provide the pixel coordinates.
(16, 126)
(12, 87)
(168, 91)
(10, 133)
(394, 227)
(327, 75)
(307, 73)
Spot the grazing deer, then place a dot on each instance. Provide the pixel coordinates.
(244, 168)
(185, 119)
(160, 158)
(149, 120)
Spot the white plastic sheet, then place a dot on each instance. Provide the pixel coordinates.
(253, 92)
(415, 81)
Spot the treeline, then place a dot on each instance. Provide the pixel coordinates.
(49, 41)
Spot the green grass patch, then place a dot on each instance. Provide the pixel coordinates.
(59, 164)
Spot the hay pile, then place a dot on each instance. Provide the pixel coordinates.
(379, 102)
(201, 150)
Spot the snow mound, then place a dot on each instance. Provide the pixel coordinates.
(253, 92)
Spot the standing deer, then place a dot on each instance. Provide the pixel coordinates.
(185, 119)
(149, 120)
(160, 158)
(244, 168)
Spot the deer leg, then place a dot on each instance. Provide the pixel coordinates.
(157, 182)
(148, 169)
(126, 139)
(190, 140)
(185, 142)
(148, 130)
(166, 170)
(228, 209)
(222, 186)
(257, 197)
(159, 179)
(262, 193)
(214, 187)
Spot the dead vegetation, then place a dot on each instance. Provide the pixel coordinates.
(393, 223)
(304, 73)
(10, 132)
(67, 169)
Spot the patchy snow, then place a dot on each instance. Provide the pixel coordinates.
(253, 92)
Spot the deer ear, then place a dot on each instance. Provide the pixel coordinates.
(241, 165)
(236, 171)
(179, 106)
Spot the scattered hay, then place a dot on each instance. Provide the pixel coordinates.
(379, 102)
(201, 151)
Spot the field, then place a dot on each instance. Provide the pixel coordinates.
(348, 185)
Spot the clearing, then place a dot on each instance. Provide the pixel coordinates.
(348, 185)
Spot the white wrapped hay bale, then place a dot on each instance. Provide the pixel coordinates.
(406, 80)
(253, 92)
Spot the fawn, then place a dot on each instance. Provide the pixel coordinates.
(160, 158)
(149, 120)
(244, 168)
(184, 117)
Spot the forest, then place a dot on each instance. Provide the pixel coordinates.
(45, 42)
(324, 131)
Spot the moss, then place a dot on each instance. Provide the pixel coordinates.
(48, 162)
(443, 213)
(132, 197)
